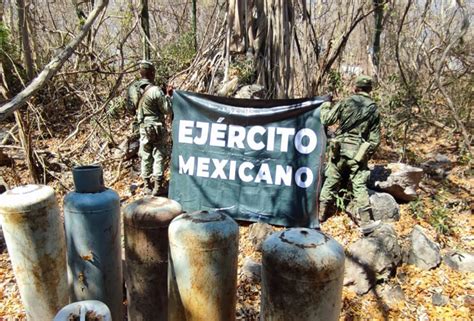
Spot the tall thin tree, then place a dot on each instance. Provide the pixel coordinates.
(25, 39)
(145, 23)
(194, 24)
(378, 17)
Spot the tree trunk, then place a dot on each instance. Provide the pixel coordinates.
(274, 66)
(24, 37)
(230, 19)
(25, 139)
(237, 14)
(378, 17)
(195, 25)
(145, 23)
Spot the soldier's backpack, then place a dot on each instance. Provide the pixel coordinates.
(134, 94)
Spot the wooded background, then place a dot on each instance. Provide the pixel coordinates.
(65, 67)
(68, 63)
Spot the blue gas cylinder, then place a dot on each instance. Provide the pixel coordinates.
(92, 220)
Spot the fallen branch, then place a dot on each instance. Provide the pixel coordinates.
(53, 66)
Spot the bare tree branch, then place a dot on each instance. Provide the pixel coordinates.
(53, 66)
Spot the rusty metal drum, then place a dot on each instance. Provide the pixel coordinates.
(203, 267)
(146, 224)
(36, 244)
(89, 310)
(302, 276)
(93, 235)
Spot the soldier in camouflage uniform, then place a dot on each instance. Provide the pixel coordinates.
(355, 141)
(147, 75)
(152, 106)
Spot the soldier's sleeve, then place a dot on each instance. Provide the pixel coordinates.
(374, 134)
(330, 114)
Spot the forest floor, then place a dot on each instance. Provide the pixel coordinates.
(453, 196)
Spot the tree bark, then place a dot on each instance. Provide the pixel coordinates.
(274, 63)
(53, 66)
(25, 39)
(378, 16)
(195, 24)
(237, 24)
(145, 23)
(25, 139)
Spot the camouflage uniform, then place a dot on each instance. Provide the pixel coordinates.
(152, 108)
(356, 139)
(133, 97)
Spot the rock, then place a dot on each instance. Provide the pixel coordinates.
(437, 166)
(393, 294)
(252, 270)
(251, 92)
(402, 277)
(228, 88)
(439, 300)
(372, 258)
(460, 261)
(258, 232)
(399, 180)
(384, 207)
(423, 252)
(128, 148)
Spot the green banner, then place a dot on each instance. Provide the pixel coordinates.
(256, 160)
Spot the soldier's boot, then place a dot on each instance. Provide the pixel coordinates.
(149, 185)
(326, 210)
(367, 224)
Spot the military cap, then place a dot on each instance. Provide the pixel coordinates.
(146, 64)
(363, 81)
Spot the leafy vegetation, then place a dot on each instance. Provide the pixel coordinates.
(175, 57)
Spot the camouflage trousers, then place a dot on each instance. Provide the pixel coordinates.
(152, 150)
(357, 174)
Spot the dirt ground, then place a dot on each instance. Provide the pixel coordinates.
(454, 194)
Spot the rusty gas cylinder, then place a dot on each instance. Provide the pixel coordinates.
(92, 219)
(89, 310)
(302, 276)
(36, 244)
(146, 224)
(203, 267)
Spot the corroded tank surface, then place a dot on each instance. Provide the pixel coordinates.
(90, 310)
(146, 224)
(92, 219)
(302, 276)
(36, 244)
(203, 267)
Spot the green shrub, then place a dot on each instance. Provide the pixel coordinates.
(417, 209)
(245, 71)
(4, 38)
(175, 57)
(441, 221)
